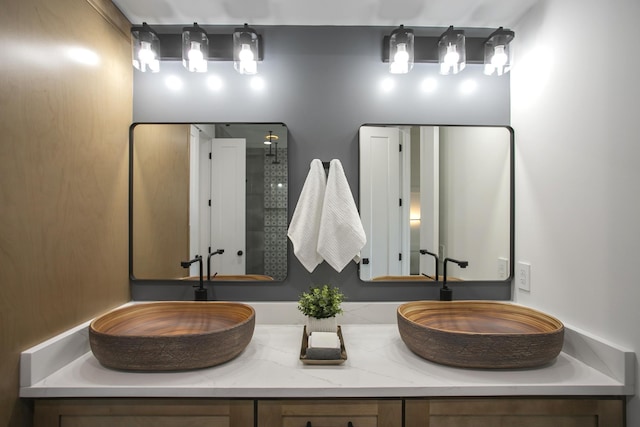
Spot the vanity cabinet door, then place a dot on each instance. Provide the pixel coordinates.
(330, 413)
(515, 412)
(143, 413)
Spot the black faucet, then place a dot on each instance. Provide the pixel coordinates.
(201, 292)
(219, 251)
(446, 294)
(435, 257)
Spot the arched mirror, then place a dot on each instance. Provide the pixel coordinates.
(436, 191)
(215, 190)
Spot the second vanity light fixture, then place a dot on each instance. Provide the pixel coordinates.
(452, 50)
(195, 48)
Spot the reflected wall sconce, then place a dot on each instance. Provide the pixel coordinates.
(195, 49)
(497, 53)
(145, 45)
(269, 140)
(452, 49)
(245, 50)
(401, 50)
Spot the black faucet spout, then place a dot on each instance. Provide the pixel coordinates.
(219, 251)
(435, 257)
(446, 294)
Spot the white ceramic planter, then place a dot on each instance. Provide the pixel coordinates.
(329, 324)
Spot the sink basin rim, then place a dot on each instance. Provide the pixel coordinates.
(151, 304)
(464, 303)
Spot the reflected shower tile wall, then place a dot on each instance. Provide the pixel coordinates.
(275, 214)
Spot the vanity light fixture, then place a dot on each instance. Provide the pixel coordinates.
(401, 50)
(145, 48)
(452, 51)
(195, 48)
(497, 54)
(245, 50)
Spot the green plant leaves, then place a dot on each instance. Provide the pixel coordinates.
(321, 302)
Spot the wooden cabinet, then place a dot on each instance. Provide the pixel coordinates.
(330, 413)
(516, 412)
(419, 412)
(143, 413)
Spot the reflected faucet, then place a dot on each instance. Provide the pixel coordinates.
(201, 292)
(435, 257)
(219, 251)
(446, 294)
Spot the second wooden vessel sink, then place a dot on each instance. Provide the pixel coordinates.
(171, 335)
(480, 334)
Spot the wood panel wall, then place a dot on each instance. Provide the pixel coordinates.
(63, 174)
(161, 209)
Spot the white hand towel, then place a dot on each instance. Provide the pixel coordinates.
(341, 234)
(305, 223)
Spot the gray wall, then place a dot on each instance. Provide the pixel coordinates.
(323, 83)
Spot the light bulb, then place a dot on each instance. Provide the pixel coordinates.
(245, 53)
(195, 54)
(452, 57)
(499, 58)
(400, 63)
(145, 54)
(401, 56)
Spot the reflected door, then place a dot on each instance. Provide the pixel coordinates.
(380, 201)
(225, 205)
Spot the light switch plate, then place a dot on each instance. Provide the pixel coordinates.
(523, 276)
(503, 268)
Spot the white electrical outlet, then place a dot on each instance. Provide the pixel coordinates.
(523, 276)
(503, 268)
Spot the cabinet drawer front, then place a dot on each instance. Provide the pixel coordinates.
(513, 421)
(330, 421)
(143, 421)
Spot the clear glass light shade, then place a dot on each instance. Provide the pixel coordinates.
(245, 50)
(145, 49)
(195, 49)
(452, 52)
(401, 51)
(497, 53)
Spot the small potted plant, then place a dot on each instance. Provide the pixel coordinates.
(321, 304)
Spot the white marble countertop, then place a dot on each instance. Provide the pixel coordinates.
(378, 365)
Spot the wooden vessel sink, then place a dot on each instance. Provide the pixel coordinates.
(171, 335)
(480, 334)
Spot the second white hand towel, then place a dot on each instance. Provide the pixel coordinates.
(341, 234)
(305, 223)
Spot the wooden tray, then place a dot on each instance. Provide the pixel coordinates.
(305, 344)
